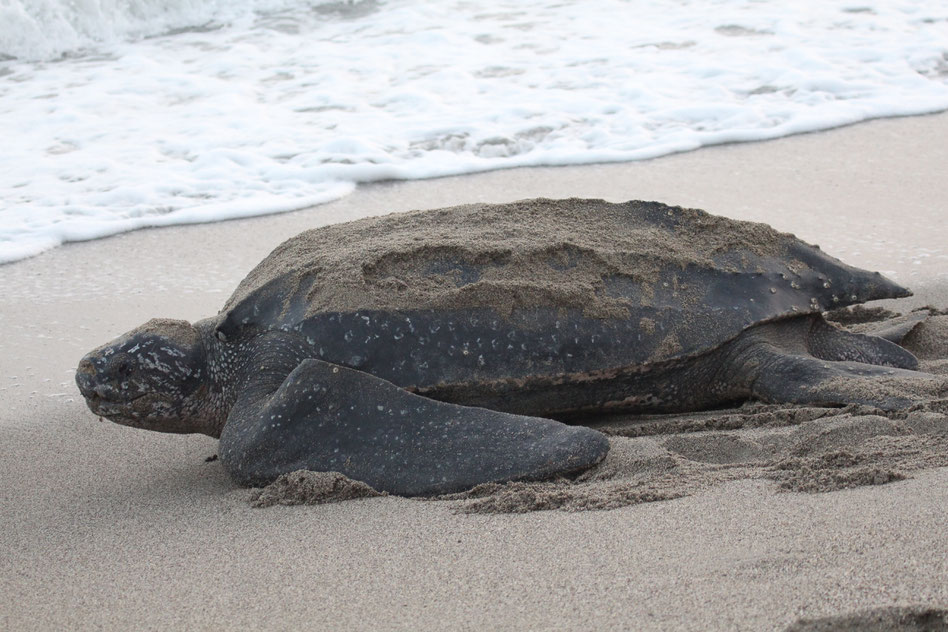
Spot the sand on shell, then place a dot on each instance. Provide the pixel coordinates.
(669, 270)
(506, 256)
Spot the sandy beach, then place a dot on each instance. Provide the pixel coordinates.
(106, 527)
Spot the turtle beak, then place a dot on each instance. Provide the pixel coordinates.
(90, 383)
(85, 377)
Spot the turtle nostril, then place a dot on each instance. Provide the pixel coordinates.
(120, 366)
(86, 367)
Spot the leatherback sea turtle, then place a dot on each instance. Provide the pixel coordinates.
(427, 352)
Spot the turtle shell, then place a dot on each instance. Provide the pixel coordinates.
(536, 287)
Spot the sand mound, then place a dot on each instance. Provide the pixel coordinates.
(929, 339)
(303, 487)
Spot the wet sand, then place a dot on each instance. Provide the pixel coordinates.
(104, 526)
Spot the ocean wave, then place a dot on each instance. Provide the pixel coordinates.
(178, 111)
(37, 30)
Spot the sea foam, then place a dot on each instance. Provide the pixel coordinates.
(120, 114)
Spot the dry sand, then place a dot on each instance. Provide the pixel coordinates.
(108, 527)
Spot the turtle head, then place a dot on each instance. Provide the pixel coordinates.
(154, 377)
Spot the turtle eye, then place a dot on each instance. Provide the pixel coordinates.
(121, 366)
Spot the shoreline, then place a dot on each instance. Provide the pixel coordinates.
(105, 526)
(186, 216)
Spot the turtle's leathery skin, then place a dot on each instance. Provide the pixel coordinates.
(400, 349)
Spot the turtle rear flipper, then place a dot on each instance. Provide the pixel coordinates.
(807, 361)
(325, 417)
(795, 379)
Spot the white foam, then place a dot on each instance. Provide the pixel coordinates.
(274, 105)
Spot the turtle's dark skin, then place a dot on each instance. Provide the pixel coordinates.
(428, 352)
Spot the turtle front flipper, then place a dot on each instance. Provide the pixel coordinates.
(325, 417)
